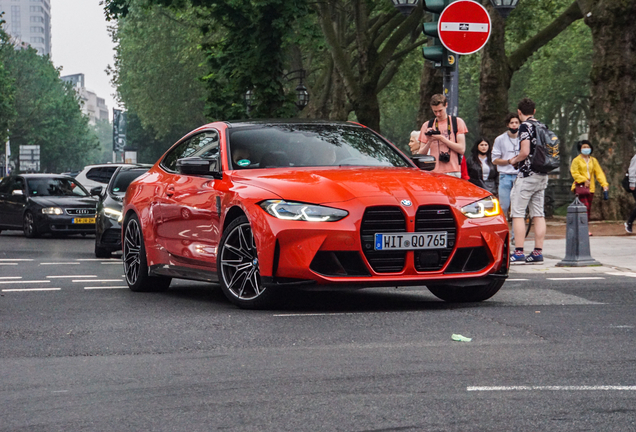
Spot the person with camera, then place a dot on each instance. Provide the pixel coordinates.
(445, 138)
(585, 170)
(528, 190)
(631, 175)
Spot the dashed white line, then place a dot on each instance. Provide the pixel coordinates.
(90, 259)
(61, 263)
(24, 281)
(553, 388)
(71, 276)
(575, 278)
(17, 259)
(10, 277)
(96, 280)
(311, 314)
(628, 274)
(105, 287)
(10, 263)
(31, 289)
(517, 280)
(112, 263)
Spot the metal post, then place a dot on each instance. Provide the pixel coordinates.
(7, 153)
(451, 88)
(577, 240)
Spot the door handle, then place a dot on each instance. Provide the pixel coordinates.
(170, 191)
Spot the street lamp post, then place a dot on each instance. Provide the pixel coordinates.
(302, 95)
(405, 6)
(504, 7)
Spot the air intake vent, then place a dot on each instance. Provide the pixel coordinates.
(435, 218)
(382, 220)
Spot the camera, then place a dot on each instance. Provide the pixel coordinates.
(432, 132)
(444, 156)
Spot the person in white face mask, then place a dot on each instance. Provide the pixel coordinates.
(585, 171)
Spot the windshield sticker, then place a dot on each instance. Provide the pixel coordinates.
(243, 162)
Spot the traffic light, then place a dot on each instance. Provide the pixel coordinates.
(436, 52)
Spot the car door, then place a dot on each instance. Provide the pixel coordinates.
(16, 201)
(5, 193)
(189, 206)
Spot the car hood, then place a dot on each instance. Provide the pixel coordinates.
(333, 185)
(65, 201)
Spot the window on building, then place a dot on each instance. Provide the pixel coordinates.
(37, 19)
(37, 29)
(36, 9)
(37, 40)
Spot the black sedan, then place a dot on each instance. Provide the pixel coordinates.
(46, 203)
(107, 224)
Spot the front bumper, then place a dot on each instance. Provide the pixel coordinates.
(63, 224)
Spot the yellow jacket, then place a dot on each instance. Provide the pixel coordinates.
(579, 170)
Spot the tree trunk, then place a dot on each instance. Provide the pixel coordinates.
(613, 91)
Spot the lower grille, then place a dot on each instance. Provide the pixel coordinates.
(469, 260)
(382, 220)
(431, 218)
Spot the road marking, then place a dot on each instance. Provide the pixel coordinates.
(97, 280)
(61, 263)
(628, 274)
(104, 287)
(311, 314)
(11, 277)
(517, 280)
(11, 263)
(24, 281)
(112, 263)
(90, 259)
(31, 289)
(553, 388)
(576, 278)
(71, 276)
(13, 260)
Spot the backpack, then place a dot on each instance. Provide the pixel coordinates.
(431, 122)
(625, 183)
(546, 153)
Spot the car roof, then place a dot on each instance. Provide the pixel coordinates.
(266, 122)
(41, 175)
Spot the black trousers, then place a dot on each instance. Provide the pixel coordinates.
(632, 217)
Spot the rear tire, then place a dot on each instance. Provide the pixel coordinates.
(29, 228)
(135, 263)
(238, 268)
(468, 294)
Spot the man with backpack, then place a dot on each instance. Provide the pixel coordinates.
(445, 137)
(529, 189)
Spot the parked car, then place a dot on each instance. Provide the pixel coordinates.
(108, 218)
(265, 206)
(97, 175)
(46, 203)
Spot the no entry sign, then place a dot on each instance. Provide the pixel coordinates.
(464, 27)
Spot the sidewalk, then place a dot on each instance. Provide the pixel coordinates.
(610, 245)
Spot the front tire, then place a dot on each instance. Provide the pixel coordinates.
(237, 265)
(468, 294)
(29, 228)
(135, 263)
(101, 252)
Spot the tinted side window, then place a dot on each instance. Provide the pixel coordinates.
(204, 145)
(5, 185)
(94, 174)
(107, 173)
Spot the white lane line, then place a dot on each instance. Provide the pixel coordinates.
(576, 278)
(517, 280)
(13, 260)
(96, 280)
(24, 281)
(90, 259)
(105, 287)
(31, 289)
(61, 263)
(112, 263)
(311, 314)
(11, 263)
(71, 276)
(628, 274)
(553, 388)
(10, 277)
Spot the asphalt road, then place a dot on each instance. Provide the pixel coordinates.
(80, 352)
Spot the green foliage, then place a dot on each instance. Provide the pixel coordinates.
(7, 88)
(159, 81)
(149, 148)
(103, 129)
(47, 113)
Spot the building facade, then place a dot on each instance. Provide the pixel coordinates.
(28, 22)
(92, 105)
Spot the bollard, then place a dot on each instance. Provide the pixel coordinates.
(577, 239)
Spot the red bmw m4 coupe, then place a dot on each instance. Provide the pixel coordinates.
(261, 207)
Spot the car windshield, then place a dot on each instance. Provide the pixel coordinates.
(55, 187)
(119, 184)
(303, 145)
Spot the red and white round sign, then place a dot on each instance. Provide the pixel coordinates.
(464, 27)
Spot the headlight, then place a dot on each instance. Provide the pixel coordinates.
(112, 213)
(302, 212)
(482, 208)
(52, 211)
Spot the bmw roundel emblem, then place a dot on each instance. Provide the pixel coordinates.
(406, 203)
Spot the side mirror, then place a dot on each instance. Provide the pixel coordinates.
(17, 192)
(200, 167)
(424, 162)
(96, 191)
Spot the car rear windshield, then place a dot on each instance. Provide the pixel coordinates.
(123, 179)
(55, 187)
(291, 145)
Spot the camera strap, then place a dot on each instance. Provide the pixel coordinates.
(453, 122)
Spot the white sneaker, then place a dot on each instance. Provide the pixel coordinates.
(628, 228)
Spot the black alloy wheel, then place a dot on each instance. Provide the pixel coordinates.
(135, 263)
(29, 228)
(238, 267)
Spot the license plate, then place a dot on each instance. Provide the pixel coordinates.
(411, 241)
(83, 220)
